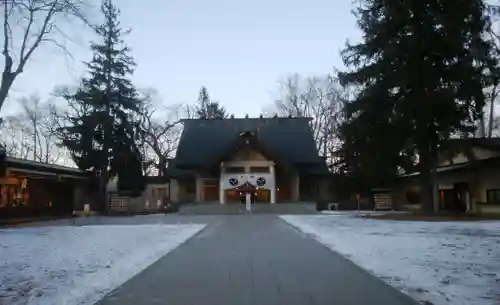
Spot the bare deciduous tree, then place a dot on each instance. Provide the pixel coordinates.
(15, 137)
(188, 111)
(319, 98)
(486, 123)
(30, 133)
(161, 131)
(41, 125)
(494, 91)
(31, 23)
(31, 115)
(46, 148)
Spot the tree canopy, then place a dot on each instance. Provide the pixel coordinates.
(208, 109)
(419, 71)
(102, 130)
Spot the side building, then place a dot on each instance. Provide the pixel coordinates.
(32, 189)
(467, 176)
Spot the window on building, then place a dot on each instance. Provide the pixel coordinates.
(493, 196)
(259, 169)
(14, 193)
(238, 169)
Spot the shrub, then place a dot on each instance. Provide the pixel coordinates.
(413, 197)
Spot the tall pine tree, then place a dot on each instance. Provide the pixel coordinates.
(206, 108)
(103, 130)
(421, 68)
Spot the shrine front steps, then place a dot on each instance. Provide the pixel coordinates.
(215, 208)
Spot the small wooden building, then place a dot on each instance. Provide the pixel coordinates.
(465, 182)
(32, 189)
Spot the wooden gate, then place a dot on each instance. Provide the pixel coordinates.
(119, 204)
(382, 201)
(211, 190)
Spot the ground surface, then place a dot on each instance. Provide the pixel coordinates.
(250, 259)
(79, 264)
(442, 262)
(442, 217)
(255, 259)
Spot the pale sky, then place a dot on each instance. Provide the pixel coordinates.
(237, 49)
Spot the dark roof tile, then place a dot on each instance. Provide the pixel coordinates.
(202, 141)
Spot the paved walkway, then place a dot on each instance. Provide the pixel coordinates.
(258, 260)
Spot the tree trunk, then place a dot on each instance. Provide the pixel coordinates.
(7, 80)
(435, 189)
(162, 162)
(428, 181)
(103, 181)
(482, 127)
(492, 114)
(35, 140)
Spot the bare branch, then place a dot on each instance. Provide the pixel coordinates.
(160, 136)
(37, 20)
(320, 98)
(62, 47)
(27, 31)
(6, 32)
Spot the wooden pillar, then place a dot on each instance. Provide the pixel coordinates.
(273, 187)
(199, 189)
(296, 189)
(222, 194)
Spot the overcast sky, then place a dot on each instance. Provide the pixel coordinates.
(237, 49)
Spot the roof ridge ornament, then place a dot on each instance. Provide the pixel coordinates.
(246, 133)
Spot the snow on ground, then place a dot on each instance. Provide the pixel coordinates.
(442, 262)
(362, 213)
(79, 264)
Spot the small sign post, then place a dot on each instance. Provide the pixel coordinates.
(86, 209)
(248, 201)
(358, 199)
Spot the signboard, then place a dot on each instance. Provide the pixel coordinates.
(261, 180)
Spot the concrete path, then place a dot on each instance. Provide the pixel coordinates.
(258, 260)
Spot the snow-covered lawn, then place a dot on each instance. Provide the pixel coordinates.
(442, 262)
(78, 265)
(362, 213)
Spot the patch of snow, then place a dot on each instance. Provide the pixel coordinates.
(79, 264)
(440, 262)
(361, 213)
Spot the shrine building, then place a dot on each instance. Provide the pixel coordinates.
(274, 157)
